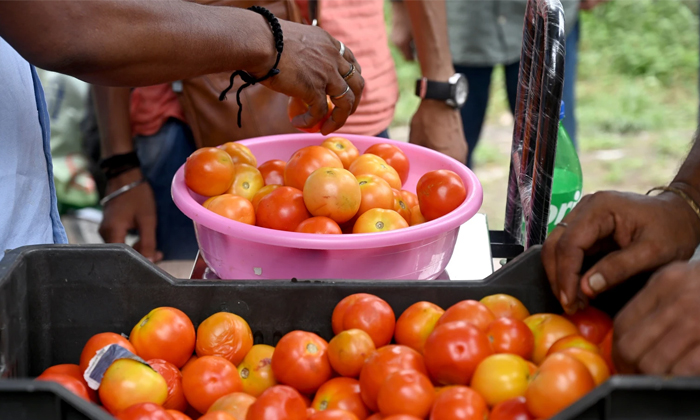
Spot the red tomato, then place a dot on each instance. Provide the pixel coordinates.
(416, 323)
(176, 415)
(400, 417)
(256, 370)
(367, 313)
(469, 311)
(217, 415)
(348, 351)
(571, 341)
(320, 225)
(416, 216)
(594, 362)
(262, 193)
(333, 415)
(236, 404)
(127, 382)
(439, 193)
(189, 362)
(376, 194)
(98, 342)
(559, 382)
(333, 193)
(282, 209)
(247, 181)
(377, 416)
(297, 107)
(144, 411)
(379, 220)
(74, 371)
(207, 379)
(343, 148)
(372, 164)
(273, 171)
(239, 153)
(173, 377)
(606, 351)
(382, 363)
(453, 351)
(401, 207)
(278, 403)
(514, 409)
(224, 334)
(165, 333)
(505, 306)
(406, 392)
(69, 382)
(393, 156)
(209, 171)
(341, 394)
(301, 361)
(592, 323)
(459, 403)
(547, 329)
(410, 198)
(501, 377)
(510, 335)
(305, 161)
(232, 207)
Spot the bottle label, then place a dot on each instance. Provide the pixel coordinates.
(560, 205)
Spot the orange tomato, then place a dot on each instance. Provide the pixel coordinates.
(273, 171)
(400, 417)
(144, 411)
(233, 207)
(410, 198)
(470, 311)
(127, 382)
(217, 415)
(173, 378)
(247, 181)
(177, 415)
(401, 207)
(297, 107)
(376, 416)
(374, 165)
(510, 335)
(98, 342)
(453, 351)
(305, 161)
(348, 351)
(256, 370)
(207, 379)
(559, 382)
(278, 402)
(501, 377)
(547, 329)
(320, 225)
(459, 403)
(333, 193)
(406, 392)
(282, 209)
(69, 382)
(379, 220)
(341, 394)
(236, 404)
(333, 415)
(165, 333)
(301, 361)
(191, 359)
(594, 362)
(416, 216)
(367, 313)
(376, 194)
(262, 193)
(505, 306)
(513, 409)
(592, 323)
(239, 153)
(572, 341)
(393, 156)
(343, 148)
(416, 323)
(209, 171)
(224, 334)
(439, 193)
(606, 351)
(74, 371)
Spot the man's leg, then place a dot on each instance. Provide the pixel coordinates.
(474, 110)
(569, 95)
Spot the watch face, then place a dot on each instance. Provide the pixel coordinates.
(461, 91)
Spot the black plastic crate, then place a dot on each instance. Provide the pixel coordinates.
(53, 298)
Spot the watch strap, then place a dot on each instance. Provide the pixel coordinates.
(430, 89)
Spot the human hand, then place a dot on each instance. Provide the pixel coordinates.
(437, 126)
(401, 33)
(648, 232)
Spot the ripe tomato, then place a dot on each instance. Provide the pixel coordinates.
(301, 361)
(333, 415)
(376, 193)
(377, 416)
(410, 198)
(191, 359)
(278, 403)
(372, 164)
(606, 351)
(69, 382)
(470, 311)
(592, 323)
(98, 342)
(453, 351)
(401, 207)
(262, 193)
(439, 193)
(224, 334)
(343, 148)
(247, 181)
(217, 415)
(559, 382)
(340, 394)
(571, 341)
(173, 377)
(393, 156)
(594, 362)
(273, 171)
(282, 209)
(209, 171)
(127, 382)
(510, 335)
(348, 351)
(177, 415)
(239, 153)
(297, 106)
(207, 379)
(505, 306)
(256, 370)
(459, 403)
(74, 371)
(382, 363)
(400, 417)
(367, 313)
(501, 377)
(513, 409)
(406, 392)
(165, 333)
(547, 329)
(379, 220)
(235, 404)
(232, 207)
(306, 160)
(333, 193)
(416, 216)
(416, 323)
(320, 225)
(144, 411)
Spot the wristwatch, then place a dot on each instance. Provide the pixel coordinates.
(453, 92)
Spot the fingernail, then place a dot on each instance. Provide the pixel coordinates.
(563, 299)
(597, 282)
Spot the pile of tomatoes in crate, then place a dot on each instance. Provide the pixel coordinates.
(325, 189)
(475, 360)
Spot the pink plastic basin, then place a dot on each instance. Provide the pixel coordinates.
(235, 250)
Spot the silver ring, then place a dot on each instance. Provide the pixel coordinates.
(350, 73)
(347, 89)
(342, 49)
(562, 224)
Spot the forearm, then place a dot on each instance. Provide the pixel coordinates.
(429, 24)
(113, 120)
(132, 43)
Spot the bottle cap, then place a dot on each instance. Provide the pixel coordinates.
(561, 111)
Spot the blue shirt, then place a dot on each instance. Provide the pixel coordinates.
(28, 207)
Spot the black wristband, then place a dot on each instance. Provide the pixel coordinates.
(274, 71)
(116, 165)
